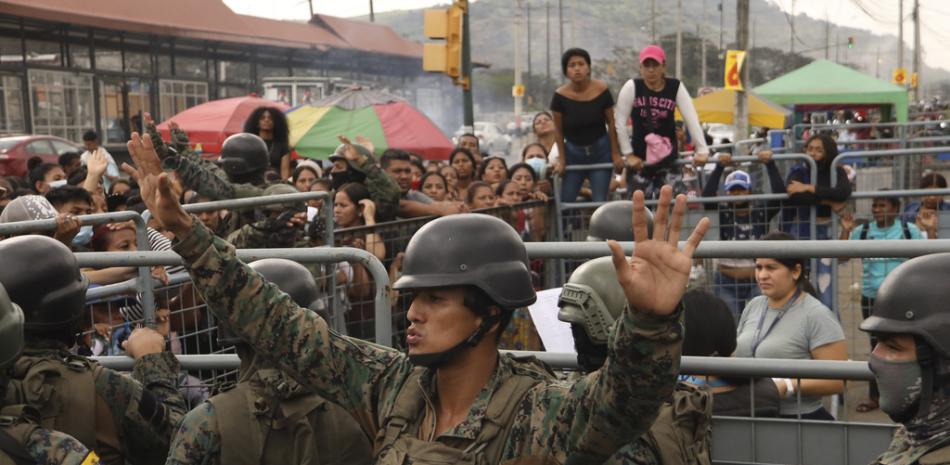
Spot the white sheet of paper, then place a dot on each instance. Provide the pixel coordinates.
(555, 334)
(312, 213)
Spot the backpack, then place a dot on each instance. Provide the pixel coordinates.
(17, 424)
(681, 432)
(866, 227)
(62, 387)
(260, 424)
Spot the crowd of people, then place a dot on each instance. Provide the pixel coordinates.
(461, 278)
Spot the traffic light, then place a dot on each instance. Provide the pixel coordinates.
(850, 42)
(446, 24)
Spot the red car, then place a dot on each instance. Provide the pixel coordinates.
(16, 150)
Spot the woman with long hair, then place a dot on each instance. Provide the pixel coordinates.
(788, 321)
(803, 195)
(464, 163)
(270, 124)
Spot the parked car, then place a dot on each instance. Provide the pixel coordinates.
(15, 151)
(491, 138)
(721, 132)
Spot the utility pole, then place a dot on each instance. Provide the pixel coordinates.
(547, 41)
(827, 36)
(917, 50)
(573, 22)
(702, 45)
(467, 104)
(722, 51)
(679, 39)
(837, 46)
(519, 31)
(310, 3)
(527, 12)
(791, 23)
(877, 63)
(560, 22)
(653, 21)
(900, 33)
(742, 43)
(372, 13)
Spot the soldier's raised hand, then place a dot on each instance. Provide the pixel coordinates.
(155, 187)
(654, 278)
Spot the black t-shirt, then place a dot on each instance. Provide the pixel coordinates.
(654, 113)
(276, 150)
(583, 122)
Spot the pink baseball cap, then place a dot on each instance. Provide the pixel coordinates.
(652, 52)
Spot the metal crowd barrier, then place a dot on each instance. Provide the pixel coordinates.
(312, 255)
(142, 284)
(872, 154)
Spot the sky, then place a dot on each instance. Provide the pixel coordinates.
(879, 16)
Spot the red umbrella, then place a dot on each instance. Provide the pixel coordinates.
(211, 122)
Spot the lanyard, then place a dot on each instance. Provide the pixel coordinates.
(759, 337)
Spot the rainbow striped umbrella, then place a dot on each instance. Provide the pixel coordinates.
(385, 119)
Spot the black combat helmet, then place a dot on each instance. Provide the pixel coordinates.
(42, 276)
(614, 221)
(913, 299)
(470, 250)
(11, 330)
(291, 277)
(244, 154)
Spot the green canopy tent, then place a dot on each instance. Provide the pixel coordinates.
(822, 82)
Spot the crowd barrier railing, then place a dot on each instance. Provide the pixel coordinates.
(902, 168)
(142, 284)
(383, 327)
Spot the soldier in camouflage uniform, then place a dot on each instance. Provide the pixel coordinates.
(591, 301)
(276, 225)
(122, 418)
(268, 417)
(22, 439)
(453, 397)
(911, 360)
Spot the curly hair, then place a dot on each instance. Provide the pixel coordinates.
(281, 129)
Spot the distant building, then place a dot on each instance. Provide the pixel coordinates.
(68, 65)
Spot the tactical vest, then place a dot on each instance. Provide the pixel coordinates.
(17, 424)
(62, 387)
(939, 456)
(681, 432)
(397, 441)
(260, 424)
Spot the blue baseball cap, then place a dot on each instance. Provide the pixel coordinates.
(738, 179)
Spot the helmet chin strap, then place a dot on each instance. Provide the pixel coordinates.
(437, 359)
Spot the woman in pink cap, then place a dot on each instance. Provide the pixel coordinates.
(651, 102)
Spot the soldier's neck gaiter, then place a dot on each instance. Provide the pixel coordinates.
(899, 384)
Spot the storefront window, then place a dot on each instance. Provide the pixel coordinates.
(10, 51)
(11, 105)
(273, 71)
(232, 91)
(108, 59)
(165, 65)
(177, 96)
(190, 67)
(234, 71)
(42, 52)
(118, 121)
(62, 103)
(138, 63)
(79, 56)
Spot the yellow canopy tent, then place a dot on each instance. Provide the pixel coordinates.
(719, 107)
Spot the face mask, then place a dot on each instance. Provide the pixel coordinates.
(55, 184)
(899, 384)
(83, 237)
(538, 164)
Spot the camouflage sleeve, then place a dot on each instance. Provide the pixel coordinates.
(55, 448)
(602, 411)
(343, 370)
(203, 177)
(245, 236)
(197, 440)
(382, 189)
(147, 406)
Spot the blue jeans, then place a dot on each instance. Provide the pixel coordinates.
(736, 294)
(598, 152)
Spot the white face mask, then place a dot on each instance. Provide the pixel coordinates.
(84, 236)
(56, 184)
